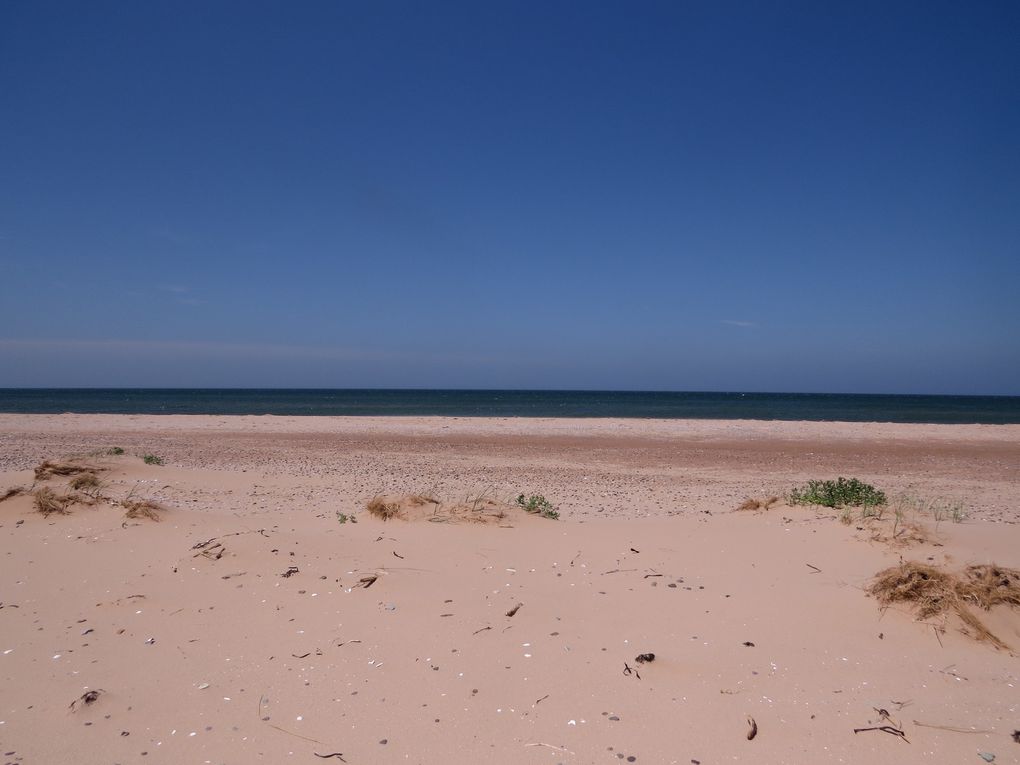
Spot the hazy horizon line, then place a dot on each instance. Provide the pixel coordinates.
(498, 390)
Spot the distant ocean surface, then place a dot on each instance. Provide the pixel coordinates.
(516, 403)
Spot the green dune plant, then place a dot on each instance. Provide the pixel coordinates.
(843, 492)
(538, 505)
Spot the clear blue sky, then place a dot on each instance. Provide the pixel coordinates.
(685, 196)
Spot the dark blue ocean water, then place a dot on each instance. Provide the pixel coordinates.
(495, 403)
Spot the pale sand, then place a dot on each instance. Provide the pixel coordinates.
(639, 499)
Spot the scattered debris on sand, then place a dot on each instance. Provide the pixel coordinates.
(210, 548)
(629, 670)
(883, 729)
(87, 699)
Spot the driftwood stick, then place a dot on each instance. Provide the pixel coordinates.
(951, 728)
(550, 746)
(885, 729)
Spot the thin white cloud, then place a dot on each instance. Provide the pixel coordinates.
(197, 350)
(181, 294)
(737, 323)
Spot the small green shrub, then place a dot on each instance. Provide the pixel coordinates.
(343, 518)
(538, 505)
(842, 492)
(152, 459)
(115, 451)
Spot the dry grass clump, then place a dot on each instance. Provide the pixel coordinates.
(384, 507)
(422, 498)
(898, 533)
(49, 502)
(929, 590)
(758, 504)
(89, 488)
(424, 507)
(933, 592)
(14, 491)
(88, 481)
(142, 508)
(991, 585)
(49, 468)
(481, 510)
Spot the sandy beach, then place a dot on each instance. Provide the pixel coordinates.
(267, 616)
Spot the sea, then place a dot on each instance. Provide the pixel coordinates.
(517, 403)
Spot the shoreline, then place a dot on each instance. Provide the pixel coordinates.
(580, 405)
(515, 424)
